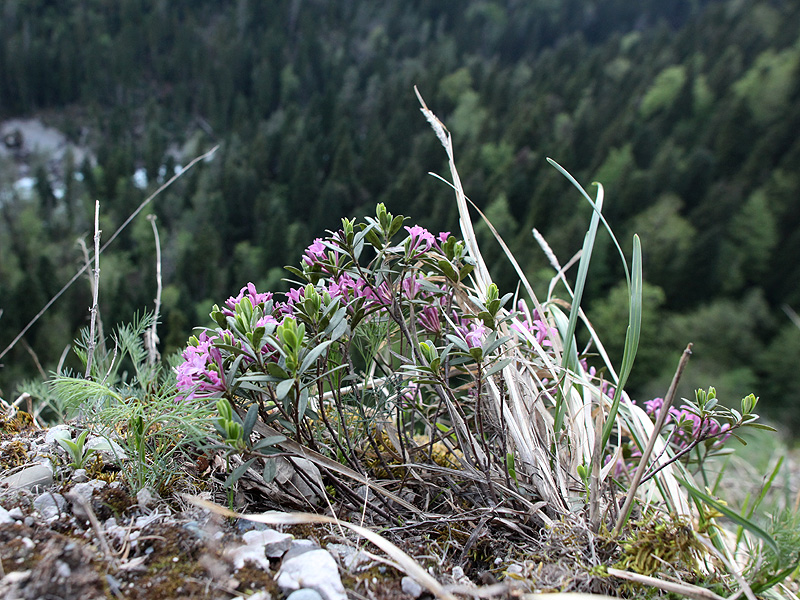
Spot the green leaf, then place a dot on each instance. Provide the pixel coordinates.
(577, 296)
(268, 442)
(632, 336)
(302, 403)
(283, 388)
(250, 421)
(237, 473)
(270, 470)
(448, 270)
(313, 355)
(733, 516)
(497, 366)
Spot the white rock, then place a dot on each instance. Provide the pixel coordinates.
(59, 432)
(50, 505)
(304, 594)
(299, 547)
(5, 517)
(258, 546)
(31, 478)
(109, 449)
(275, 544)
(411, 587)
(316, 570)
(80, 476)
(80, 495)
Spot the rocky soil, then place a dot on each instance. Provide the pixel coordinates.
(70, 533)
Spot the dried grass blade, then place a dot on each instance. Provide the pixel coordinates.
(411, 567)
(684, 589)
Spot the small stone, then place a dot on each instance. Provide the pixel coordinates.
(28, 521)
(59, 432)
(80, 496)
(350, 557)
(146, 498)
(457, 572)
(35, 478)
(262, 595)
(62, 569)
(17, 513)
(411, 587)
(109, 449)
(315, 569)
(5, 516)
(80, 476)
(50, 505)
(299, 547)
(275, 544)
(304, 594)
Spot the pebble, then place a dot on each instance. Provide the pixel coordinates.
(37, 477)
(80, 476)
(315, 569)
(50, 505)
(411, 587)
(275, 544)
(80, 495)
(303, 594)
(109, 449)
(59, 432)
(146, 498)
(5, 517)
(299, 547)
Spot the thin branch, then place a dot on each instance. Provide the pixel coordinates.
(662, 417)
(684, 589)
(102, 249)
(151, 335)
(95, 292)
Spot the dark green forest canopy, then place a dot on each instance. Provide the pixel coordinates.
(687, 112)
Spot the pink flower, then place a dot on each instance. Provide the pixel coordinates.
(315, 252)
(536, 326)
(428, 318)
(411, 286)
(248, 291)
(476, 335)
(201, 372)
(419, 241)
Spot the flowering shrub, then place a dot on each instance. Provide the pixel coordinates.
(380, 333)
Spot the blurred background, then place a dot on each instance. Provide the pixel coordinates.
(687, 111)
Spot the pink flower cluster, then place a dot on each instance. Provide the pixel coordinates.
(201, 375)
(690, 425)
(249, 292)
(535, 326)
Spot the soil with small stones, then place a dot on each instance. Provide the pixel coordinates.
(149, 548)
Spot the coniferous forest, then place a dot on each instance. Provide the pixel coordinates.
(688, 112)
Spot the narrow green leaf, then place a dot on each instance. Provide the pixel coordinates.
(577, 296)
(313, 355)
(237, 473)
(497, 366)
(632, 335)
(250, 420)
(270, 470)
(282, 389)
(733, 516)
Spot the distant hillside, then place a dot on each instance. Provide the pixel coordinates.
(687, 112)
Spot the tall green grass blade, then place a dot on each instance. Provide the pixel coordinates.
(732, 515)
(631, 337)
(572, 180)
(580, 284)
